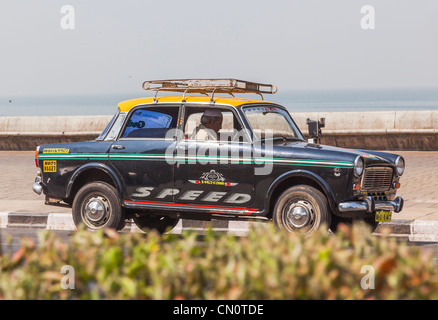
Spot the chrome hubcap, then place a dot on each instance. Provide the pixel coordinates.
(299, 214)
(96, 211)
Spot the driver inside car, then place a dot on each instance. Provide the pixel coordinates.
(211, 123)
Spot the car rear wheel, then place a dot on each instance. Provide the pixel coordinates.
(97, 206)
(161, 224)
(301, 209)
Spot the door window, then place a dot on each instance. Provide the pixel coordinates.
(212, 124)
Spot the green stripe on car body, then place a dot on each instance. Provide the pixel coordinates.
(162, 157)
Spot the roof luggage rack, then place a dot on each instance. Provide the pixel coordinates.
(206, 86)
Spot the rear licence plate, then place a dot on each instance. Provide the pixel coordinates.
(383, 216)
(49, 166)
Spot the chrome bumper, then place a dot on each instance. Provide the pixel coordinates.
(369, 205)
(37, 187)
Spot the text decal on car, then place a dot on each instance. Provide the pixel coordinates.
(213, 196)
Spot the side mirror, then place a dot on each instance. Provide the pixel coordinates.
(315, 129)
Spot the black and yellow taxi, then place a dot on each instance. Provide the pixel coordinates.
(207, 154)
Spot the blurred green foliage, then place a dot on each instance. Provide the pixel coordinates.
(266, 264)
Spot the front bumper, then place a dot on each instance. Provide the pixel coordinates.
(369, 205)
(37, 187)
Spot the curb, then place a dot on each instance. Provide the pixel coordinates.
(413, 230)
(424, 230)
(64, 222)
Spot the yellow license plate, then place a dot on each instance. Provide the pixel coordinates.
(383, 216)
(49, 166)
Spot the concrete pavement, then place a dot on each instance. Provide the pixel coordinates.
(418, 219)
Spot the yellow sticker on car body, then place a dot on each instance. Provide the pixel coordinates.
(49, 166)
(56, 150)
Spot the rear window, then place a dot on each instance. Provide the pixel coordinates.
(150, 123)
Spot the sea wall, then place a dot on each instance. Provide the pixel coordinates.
(25, 133)
(382, 130)
(377, 130)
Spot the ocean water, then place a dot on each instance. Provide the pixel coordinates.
(296, 101)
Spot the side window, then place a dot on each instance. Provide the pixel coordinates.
(117, 126)
(151, 122)
(213, 124)
(108, 126)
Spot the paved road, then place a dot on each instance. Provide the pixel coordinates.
(419, 185)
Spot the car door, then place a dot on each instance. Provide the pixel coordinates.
(214, 176)
(139, 154)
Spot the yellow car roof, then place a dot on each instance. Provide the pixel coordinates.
(125, 106)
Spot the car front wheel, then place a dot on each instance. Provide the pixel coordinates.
(301, 209)
(97, 206)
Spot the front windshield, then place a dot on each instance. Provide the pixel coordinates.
(272, 122)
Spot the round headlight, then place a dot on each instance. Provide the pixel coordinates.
(400, 165)
(359, 166)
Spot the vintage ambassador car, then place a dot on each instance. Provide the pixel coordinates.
(161, 159)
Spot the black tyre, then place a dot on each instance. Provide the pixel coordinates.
(369, 221)
(161, 224)
(301, 209)
(97, 206)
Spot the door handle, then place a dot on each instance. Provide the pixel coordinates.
(117, 146)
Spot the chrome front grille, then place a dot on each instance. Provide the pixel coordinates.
(377, 179)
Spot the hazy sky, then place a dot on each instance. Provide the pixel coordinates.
(295, 44)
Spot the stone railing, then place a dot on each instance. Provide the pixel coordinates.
(382, 130)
